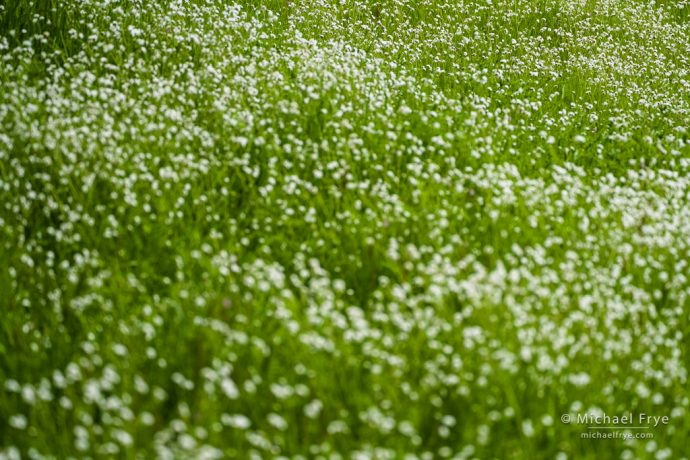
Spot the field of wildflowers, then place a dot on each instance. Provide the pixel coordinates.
(344, 229)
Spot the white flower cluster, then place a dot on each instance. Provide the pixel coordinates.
(342, 229)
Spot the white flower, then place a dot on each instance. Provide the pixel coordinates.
(18, 421)
(277, 421)
(134, 31)
(527, 428)
(229, 388)
(236, 421)
(579, 380)
(313, 409)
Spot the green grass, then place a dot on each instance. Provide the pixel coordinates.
(357, 229)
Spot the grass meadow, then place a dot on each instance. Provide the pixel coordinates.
(344, 229)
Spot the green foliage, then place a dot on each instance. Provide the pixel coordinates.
(342, 229)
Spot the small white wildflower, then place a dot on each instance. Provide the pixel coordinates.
(281, 391)
(119, 349)
(18, 421)
(527, 428)
(277, 421)
(123, 437)
(547, 420)
(147, 418)
(313, 409)
(28, 394)
(238, 421)
(337, 426)
(187, 442)
(65, 403)
(229, 388)
(579, 380)
(134, 31)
